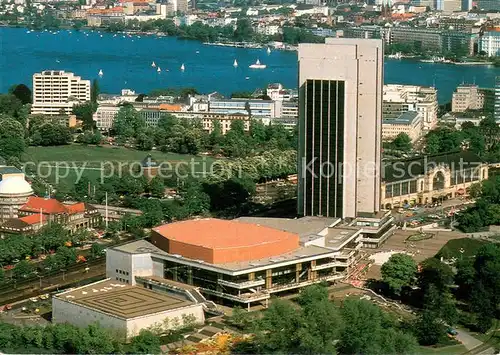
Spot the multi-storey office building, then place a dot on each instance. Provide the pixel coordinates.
(241, 261)
(254, 107)
(55, 92)
(409, 122)
(340, 127)
(490, 44)
(398, 99)
(469, 97)
(105, 116)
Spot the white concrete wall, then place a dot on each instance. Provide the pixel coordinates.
(135, 325)
(67, 312)
(142, 265)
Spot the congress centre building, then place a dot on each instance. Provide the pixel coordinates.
(242, 261)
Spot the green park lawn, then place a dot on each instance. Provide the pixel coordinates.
(94, 159)
(446, 350)
(452, 248)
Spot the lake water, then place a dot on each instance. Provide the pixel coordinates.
(126, 63)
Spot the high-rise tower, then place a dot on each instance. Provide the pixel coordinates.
(340, 125)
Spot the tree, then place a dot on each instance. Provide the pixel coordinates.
(22, 92)
(145, 343)
(10, 105)
(145, 141)
(94, 91)
(11, 138)
(84, 112)
(96, 250)
(195, 199)
(128, 123)
(156, 187)
(427, 329)
(435, 273)
(243, 31)
(402, 142)
(22, 269)
(369, 330)
(399, 271)
(52, 134)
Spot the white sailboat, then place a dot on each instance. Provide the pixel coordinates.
(100, 72)
(235, 64)
(153, 64)
(257, 65)
(183, 67)
(268, 50)
(158, 70)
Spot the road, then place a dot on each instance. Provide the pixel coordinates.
(467, 340)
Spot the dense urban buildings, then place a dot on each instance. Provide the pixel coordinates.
(340, 126)
(398, 99)
(55, 92)
(469, 97)
(38, 211)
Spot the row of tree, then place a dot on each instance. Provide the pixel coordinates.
(486, 210)
(315, 325)
(190, 137)
(69, 339)
(433, 290)
(483, 139)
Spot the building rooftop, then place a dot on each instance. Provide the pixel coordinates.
(302, 226)
(122, 300)
(9, 170)
(406, 118)
(221, 234)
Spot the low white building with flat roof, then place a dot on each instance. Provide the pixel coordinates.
(123, 308)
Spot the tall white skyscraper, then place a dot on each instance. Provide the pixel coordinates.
(55, 92)
(340, 127)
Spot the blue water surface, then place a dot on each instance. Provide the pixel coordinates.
(126, 63)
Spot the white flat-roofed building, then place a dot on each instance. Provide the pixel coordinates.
(127, 309)
(409, 122)
(55, 92)
(105, 116)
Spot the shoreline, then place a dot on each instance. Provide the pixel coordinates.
(246, 45)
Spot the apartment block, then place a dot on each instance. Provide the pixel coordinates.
(340, 127)
(434, 40)
(254, 107)
(490, 44)
(55, 92)
(468, 97)
(398, 99)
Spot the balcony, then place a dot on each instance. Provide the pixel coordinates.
(242, 298)
(329, 265)
(242, 285)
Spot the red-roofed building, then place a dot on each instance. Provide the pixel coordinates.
(24, 225)
(38, 211)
